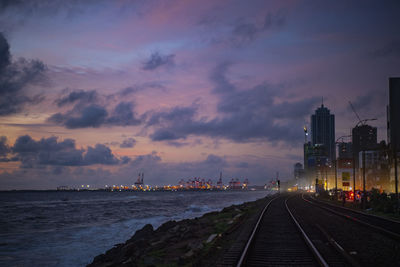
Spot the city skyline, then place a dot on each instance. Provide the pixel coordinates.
(93, 92)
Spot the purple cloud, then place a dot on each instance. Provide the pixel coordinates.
(15, 77)
(128, 143)
(88, 111)
(157, 60)
(248, 115)
(50, 151)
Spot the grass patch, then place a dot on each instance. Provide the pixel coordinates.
(159, 253)
(221, 227)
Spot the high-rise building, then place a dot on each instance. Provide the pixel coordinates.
(298, 171)
(377, 168)
(344, 165)
(345, 150)
(299, 176)
(393, 126)
(393, 114)
(364, 138)
(323, 131)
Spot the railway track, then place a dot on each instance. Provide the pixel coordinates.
(360, 239)
(279, 240)
(296, 231)
(385, 226)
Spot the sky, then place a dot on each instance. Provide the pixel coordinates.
(94, 92)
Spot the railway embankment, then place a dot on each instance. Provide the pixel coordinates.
(291, 229)
(216, 238)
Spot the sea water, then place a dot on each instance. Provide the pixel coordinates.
(69, 228)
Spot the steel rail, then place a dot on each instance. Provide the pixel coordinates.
(338, 247)
(356, 211)
(251, 238)
(308, 241)
(353, 219)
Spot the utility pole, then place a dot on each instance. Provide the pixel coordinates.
(354, 172)
(395, 176)
(364, 199)
(396, 181)
(279, 186)
(278, 182)
(335, 179)
(362, 122)
(326, 178)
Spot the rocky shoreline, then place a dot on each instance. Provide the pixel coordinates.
(213, 239)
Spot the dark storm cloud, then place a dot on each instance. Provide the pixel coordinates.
(148, 160)
(129, 90)
(89, 116)
(166, 134)
(25, 144)
(77, 96)
(5, 57)
(178, 144)
(123, 115)
(178, 117)
(15, 77)
(157, 60)
(139, 87)
(4, 148)
(247, 115)
(90, 109)
(175, 114)
(49, 151)
(128, 143)
(100, 154)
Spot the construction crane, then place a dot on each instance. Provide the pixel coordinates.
(360, 121)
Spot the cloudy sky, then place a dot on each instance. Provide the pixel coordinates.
(93, 92)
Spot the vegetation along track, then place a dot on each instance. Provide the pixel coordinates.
(358, 242)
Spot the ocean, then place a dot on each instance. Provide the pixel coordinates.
(62, 228)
